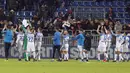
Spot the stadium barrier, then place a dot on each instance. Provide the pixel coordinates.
(47, 48)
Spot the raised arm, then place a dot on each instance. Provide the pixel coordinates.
(98, 29)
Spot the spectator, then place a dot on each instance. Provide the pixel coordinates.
(2, 15)
(1, 27)
(118, 26)
(110, 15)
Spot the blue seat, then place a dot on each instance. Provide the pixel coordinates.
(122, 21)
(87, 9)
(81, 3)
(87, 3)
(108, 4)
(127, 16)
(114, 4)
(27, 13)
(2, 6)
(32, 13)
(101, 4)
(94, 4)
(121, 15)
(121, 4)
(94, 10)
(120, 10)
(100, 9)
(115, 9)
(75, 3)
(127, 21)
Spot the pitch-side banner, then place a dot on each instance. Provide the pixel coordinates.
(46, 52)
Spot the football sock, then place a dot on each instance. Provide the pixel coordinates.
(98, 56)
(106, 56)
(87, 56)
(115, 57)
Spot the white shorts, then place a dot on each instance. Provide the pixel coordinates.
(118, 47)
(80, 48)
(125, 48)
(30, 47)
(102, 47)
(65, 47)
(38, 45)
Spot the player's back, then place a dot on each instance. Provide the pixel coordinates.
(66, 39)
(39, 37)
(30, 37)
(20, 36)
(102, 37)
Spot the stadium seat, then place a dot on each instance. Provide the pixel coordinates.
(120, 10)
(81, 3)
(100, 9)
(101, 4)
(108, 4)
(127, 16)
(27, 13)
(94, 4)
(121, 4)
(75, 3)
(87, 9)
(2, 6)
(114, 4)
(87, 3)
(115, 9)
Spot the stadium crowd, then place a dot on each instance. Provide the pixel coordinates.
(59, 15)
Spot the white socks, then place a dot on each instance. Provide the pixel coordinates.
(81, 55)
(126, 56)
(106, 56)
(98, 56)
(120, 57)
(34, 55)
(84, 55)
(115, 57)
(87, 56)
(66, 56)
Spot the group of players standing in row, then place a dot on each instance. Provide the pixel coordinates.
(34, 42)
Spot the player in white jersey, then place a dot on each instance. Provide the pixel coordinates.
(65, 46)
(108, 40)
(38, 43)
(102, 43)
(30, 44)
(19, 43)
(125, 48)
(119, 42)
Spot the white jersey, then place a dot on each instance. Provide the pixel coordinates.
(39, 37)
(108, 37)
(20, 37)
(119, 39)
(66, 39)
(102, 37)
(30, 38)
(126, 40)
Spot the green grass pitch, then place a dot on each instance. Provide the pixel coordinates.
(73, 66)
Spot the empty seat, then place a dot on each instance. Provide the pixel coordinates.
(115, 9)
(75, 3)
(27, 13)
(121, 4)
(114, 4)
(108, 4)
(100, 9)
(94, 3)
(102, 3)
(120, 9)
(81, 3)
(87, 3)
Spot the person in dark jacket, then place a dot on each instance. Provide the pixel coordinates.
(87, 45)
